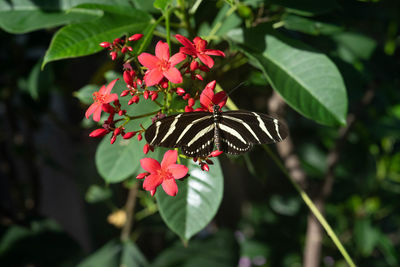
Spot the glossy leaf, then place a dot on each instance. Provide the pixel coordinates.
(85, 94)
(83, 39)
(21, 16)
(310, 26)
(307, 79)
(116, 253)
(196, 203)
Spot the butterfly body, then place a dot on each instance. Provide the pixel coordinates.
(200, 133)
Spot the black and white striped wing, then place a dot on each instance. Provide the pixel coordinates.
(241, 129)
(192, 131)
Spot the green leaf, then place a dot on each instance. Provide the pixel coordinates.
(352, 46)
(219, 250)
(225, 21)
(366, 236)
(22, 16)
(85, 94)
(97, 194)
(284, 205)
(307, 79)
(39, 81)
(162, 4)
(116, 253)
(84, 38)
(196, 203)
(310, 26)
(307, 7)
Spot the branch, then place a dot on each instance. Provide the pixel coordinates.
(129, 209)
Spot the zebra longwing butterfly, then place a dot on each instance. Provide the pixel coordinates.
(233, 132)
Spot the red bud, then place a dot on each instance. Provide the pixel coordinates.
(135, 99)
(180, 91)
(124, 93)
(113, 55)
(107, 108)
(142, 175)
(129, 48)
(135, 37)
(124, 49)
(198, 76)
(117, 131)
(191, 102)
(139, 137)
(146, 149)
(186, 97)
(128, 77)
(99, 133)
(146, 94)
(154, 96)
(105, 44)
(216, 153)
(205, 167)
(164, 84)
(188, 109)
(129, 135)
(194, 65)
(113, 138)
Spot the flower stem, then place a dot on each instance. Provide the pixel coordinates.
(142, 116)
(312, 207)
(129, 209)
(168, 28)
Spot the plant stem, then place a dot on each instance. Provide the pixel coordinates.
(129, 209)
(142, 116)
(312, 207)
(168, 28)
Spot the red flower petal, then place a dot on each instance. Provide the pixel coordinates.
(148, 60)
(162, 50)
(110, 98)
(173, 75)
(206, 98)
(97, 113)
(110, 87)
(169, 158)
(170, 187)
(178, 171)
(91, 109)
(150, 165)
(188, 51)
(102, 90)
(177, 58)
(153, 77)
(213, 52)
(185, 41)
(220, 99)
(152, 181)
(207, 60)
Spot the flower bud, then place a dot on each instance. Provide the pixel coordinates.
(146, 94)
(113, 55)
(194, 65)
(164, 84)
(99, 133)
(107, 108)
(146, 148)
(139, 82)
(105, 44)
(130, 49)
(142, 175)
(116, 41)
(124, 93)
(215, 153)
(198, 76)
(124, 49)
(204, 68)
(129, 135)
(113, 138)
(122, 112)
(128, 77)
(205, 167)
(135, 99)
(139, 137)
(135, 37)
(154, 96)
(180, 91)
(186, 97)
(188, 109)
(117, 131)
(191, 102)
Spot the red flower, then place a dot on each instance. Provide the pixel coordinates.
(198, 49)
(101, 97)
(164, 174)
(208, 99)
(161, 65)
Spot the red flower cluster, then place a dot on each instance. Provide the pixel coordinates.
(162, 174)
(193, 59)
